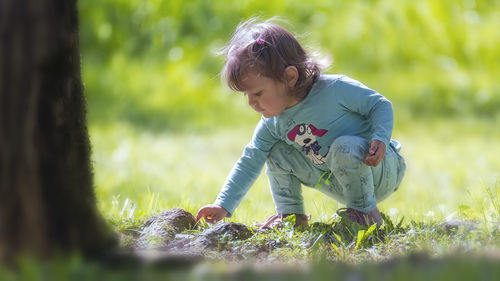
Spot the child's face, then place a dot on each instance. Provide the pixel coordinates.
(265, 95)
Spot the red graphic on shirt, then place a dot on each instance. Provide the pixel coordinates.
(306, 136)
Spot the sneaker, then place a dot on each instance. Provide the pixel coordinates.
(364, 219)
(276, 220)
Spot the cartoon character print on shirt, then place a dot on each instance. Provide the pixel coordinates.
(306, 136)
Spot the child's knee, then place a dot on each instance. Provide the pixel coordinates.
(347, 151)
(278, 157)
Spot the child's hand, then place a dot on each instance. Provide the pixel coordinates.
(211, 213)
(377, 152)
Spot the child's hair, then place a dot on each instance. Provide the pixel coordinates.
(268, 49)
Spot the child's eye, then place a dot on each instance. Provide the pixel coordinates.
(258, 94)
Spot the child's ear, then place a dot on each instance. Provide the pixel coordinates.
(291, 76)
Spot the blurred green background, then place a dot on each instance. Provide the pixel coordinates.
(165, 131)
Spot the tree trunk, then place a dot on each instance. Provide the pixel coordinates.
(47, 201)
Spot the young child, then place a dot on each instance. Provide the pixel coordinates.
(328, 132)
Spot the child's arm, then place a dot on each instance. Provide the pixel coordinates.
(243, 174)
(360, 99)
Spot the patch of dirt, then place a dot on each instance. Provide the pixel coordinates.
(174, 233)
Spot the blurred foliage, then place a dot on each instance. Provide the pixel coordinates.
(152, 63)
(417, 266)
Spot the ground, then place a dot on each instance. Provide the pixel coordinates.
(175, 233)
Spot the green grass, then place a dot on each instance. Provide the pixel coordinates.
(336, 250)
(451, 165)
(452, 173)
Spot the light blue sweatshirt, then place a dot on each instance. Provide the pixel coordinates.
(335, 106)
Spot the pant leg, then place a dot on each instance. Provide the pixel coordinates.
(364, 186)
(346, 161)
(389, 173)
(286, 169)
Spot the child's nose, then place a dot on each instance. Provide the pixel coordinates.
(252, 101)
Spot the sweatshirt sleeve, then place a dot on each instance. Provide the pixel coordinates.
(246, 170)
(356, 97)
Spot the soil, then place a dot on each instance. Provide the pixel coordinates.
(175, 231)
(175, 234)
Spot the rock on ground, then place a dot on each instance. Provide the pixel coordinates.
(213, 236)
(162, 227)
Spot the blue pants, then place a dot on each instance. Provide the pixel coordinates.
(350, 180)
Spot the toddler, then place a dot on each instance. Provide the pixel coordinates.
(328, 132)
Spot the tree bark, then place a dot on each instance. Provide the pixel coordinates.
(47, 201)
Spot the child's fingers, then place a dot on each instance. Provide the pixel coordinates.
(211, 214)
(202, 213)
(370, 160)
(376, 153)
(374, 160)
(376, 146)
(198, 216)
(211, 219)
